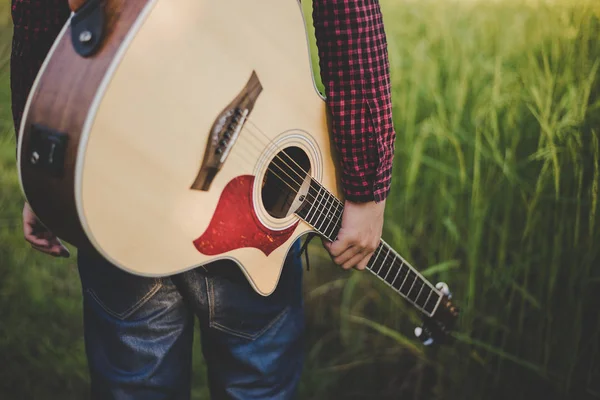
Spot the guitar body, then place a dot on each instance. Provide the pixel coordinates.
(117, 150)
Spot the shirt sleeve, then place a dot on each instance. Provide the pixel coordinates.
(36, 24)
(354, 66)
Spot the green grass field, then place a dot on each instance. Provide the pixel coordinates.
(495, 191)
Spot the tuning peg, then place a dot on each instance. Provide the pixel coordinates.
(423, 336)
(443, 287)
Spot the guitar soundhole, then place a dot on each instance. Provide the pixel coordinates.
(283, 181)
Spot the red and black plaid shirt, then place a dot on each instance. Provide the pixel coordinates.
(354, 68)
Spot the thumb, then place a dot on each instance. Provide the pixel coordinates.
(76, 4)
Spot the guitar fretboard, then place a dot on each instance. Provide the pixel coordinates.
(323, 211)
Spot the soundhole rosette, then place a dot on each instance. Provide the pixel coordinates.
(305, 152)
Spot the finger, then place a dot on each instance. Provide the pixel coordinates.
(352, 262)
(30, 236)
(62, 250)
(76, 4)
(341, 244)
(27, 228)
(347, 255)
(46, 250)
(337, 247)
(57, 246)
(362, 265)
(33, 235)
(52, 245)
(57, 250)
(37, 241)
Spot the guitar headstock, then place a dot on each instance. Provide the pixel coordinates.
(438, 327)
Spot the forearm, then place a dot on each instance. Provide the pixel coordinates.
(355, 71)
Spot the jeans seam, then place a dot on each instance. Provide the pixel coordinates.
(255, 336)
(133, 308)
(211, 298)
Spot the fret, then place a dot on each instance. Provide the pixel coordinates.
(426, 298)
(331, 216)
(387, 264)
(397, 273)
(335, 227)
(383, 262)
(411, 287)
(335, 230)
(307, 205)
(420, 291)
(390, 269)
(398, 276)
(399, 281)
(300, 211)
(315, 206)
(417, 287)
(336, 218)
(432, 303)
(373, 259)
(323, 211)
(405, 279)
(320, 209)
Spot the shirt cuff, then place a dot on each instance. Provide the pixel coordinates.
(366, 170)
(364, 188)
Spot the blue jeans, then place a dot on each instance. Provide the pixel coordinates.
(138, 331)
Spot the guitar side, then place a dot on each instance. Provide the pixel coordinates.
(57, 107)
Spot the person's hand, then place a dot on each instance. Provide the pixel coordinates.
(359, 236)
(39, 237)
(76, 4)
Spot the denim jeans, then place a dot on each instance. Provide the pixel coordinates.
(138, 331)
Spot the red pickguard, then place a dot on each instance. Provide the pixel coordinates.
(234, 224)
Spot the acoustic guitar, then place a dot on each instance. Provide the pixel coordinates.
(170, 134)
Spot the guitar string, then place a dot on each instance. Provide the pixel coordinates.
(270, 142)
(417, 274)
(277, 156)
(312, 204)
(334, 201)
(308, 195)
(423, 281)
(324, 201)
(294, 190)
(321, 206)
(314, 223)
(279, 149)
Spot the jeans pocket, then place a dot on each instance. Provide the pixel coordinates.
(117, 292)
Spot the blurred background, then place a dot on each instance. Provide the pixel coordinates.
(495, 191)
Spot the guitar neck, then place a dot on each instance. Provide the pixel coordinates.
(323, 211)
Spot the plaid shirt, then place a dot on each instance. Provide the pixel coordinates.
(354, 68)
